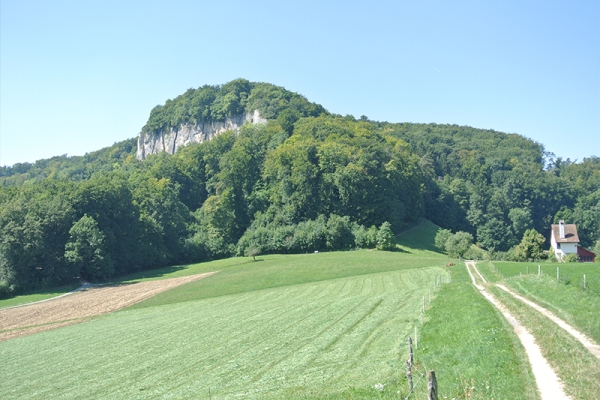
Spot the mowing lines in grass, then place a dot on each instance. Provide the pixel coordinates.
(320, 337)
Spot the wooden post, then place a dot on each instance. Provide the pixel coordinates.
(409, 377)
(432, 389)
(539, 270)
(409, 364)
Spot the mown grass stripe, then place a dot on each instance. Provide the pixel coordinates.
(163, 339)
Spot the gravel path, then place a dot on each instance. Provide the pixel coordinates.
(81, 306)
(549, 385)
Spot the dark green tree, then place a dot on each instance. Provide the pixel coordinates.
(86, 250)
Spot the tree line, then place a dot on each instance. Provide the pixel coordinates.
(308, 180)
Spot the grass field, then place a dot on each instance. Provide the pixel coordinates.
(565, 297)
(569, 273)
(311, 326)
(305, 339)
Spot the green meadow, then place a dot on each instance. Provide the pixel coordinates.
(309, 326)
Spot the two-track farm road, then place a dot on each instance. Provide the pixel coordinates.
(548, 384)
(81, 306)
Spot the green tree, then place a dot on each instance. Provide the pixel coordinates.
(339, 233)
(441, 237)
(521, 220)
(86, 250)
(494, 235)
(385, 237)
(458, 244)
(530, 247)
(596, 250)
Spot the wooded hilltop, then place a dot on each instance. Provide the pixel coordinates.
(306, 180)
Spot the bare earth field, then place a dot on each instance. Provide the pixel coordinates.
(81, 306)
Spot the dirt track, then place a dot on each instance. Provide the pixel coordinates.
(81, 306)
(548, 383)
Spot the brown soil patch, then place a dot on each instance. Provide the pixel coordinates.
(81, 306)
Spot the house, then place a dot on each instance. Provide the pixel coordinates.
(564, 240)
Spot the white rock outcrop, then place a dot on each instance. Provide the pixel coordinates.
(171, 140)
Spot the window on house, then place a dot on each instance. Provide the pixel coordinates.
(558, 246)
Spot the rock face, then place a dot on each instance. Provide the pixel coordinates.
(187, 133)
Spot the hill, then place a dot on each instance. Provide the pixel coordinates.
(301, 180)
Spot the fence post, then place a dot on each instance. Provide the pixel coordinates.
(432, 389)
(410, 351)
(409, 377)
(539, 269)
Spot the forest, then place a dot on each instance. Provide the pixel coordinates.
(307, 180)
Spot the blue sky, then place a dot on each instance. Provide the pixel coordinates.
(78, 76)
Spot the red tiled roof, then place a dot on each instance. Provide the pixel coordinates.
(570, 234)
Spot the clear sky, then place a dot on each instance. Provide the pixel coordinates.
(77, 76)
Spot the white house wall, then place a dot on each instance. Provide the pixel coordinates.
(565, 248)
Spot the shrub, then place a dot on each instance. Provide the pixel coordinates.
(571, 258)
(475, 253)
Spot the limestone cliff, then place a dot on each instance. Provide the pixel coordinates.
(172, 139)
